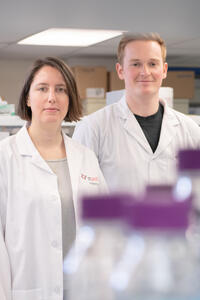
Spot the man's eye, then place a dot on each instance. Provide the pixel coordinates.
(135, 64)
(152, 64)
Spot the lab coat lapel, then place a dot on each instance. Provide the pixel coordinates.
(131, 125)
(27, 148)
(74, 158)
(168, 130)
(39, 162)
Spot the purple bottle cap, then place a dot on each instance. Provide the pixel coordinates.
(189, 159)
(154, 190)
(159, 211)
(107, 206)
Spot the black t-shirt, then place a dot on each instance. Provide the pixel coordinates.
(151, 127)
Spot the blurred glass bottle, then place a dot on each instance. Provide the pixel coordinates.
(188, 183)
(158, 262)
(188, 176)
(99, 244)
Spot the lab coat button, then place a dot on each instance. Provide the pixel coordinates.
(54, 244)
(57, 290)
(54, 198)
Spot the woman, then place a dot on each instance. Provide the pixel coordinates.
(42, 174)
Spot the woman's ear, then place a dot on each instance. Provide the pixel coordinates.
(28, 102)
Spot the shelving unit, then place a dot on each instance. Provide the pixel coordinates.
(12, 124)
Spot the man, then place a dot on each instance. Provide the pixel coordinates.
(136, 139)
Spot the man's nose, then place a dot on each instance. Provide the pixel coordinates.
(145, 70)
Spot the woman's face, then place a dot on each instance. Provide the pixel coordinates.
(48, 97)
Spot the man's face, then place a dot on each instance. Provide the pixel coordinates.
(143, 68)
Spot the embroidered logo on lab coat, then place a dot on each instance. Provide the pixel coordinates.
(90, 179)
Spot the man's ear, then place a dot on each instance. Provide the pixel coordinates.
(119, 70)
(165, 68)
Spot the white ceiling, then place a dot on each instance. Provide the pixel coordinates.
(178, 22)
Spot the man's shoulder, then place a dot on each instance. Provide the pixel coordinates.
(76, 145)
(184, 119)
(103, 115)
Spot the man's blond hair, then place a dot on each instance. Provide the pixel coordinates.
(153, 36)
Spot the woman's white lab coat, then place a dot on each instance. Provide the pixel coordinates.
(31, 259)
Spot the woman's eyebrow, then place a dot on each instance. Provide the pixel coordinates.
(41, 83)
(61, 84)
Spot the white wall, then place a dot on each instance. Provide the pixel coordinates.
(108, 62)
(13, 73)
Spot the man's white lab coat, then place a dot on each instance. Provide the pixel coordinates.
(125, 156)
(31, 259)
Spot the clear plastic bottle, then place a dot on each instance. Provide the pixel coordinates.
(188, 183)
(99, 244)
(158, 263)
(188, 176)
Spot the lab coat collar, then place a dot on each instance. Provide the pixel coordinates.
(131, 125)
(124, 111)
(27, 148)
(24, 142)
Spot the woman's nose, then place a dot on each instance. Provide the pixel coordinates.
(51, 96)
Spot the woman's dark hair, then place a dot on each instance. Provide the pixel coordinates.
(75, 108)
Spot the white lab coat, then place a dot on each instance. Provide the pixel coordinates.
(125, 156)
(30, 216)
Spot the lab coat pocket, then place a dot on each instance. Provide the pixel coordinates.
(26, 294)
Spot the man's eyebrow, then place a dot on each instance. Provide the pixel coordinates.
(155, 59)
(137, 59)
(134, 59)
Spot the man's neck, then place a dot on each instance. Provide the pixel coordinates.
(143, 106)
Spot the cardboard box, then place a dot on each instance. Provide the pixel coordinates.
(95, 93)
(182, 82)
(90, 77)
(181, 105)
(92, 105)
(114, 83)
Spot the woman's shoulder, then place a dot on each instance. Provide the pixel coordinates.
(7, 142)
(7, 146)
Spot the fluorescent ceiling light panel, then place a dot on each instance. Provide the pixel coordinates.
(70, 37)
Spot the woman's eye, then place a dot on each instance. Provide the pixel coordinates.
(61, 90)
(42, 89)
